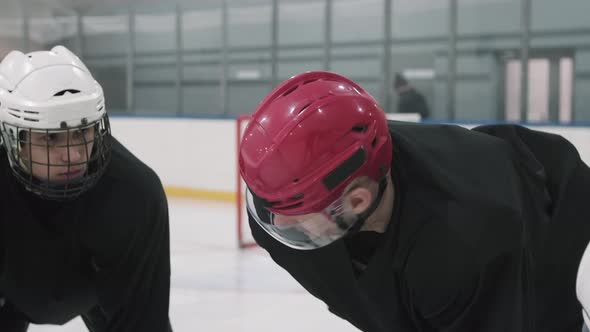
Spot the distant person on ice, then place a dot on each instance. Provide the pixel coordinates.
(410, 100)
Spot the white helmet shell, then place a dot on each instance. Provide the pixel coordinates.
(48, 90)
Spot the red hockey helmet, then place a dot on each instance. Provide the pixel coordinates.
(307, 140)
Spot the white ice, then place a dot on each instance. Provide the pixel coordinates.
(217, 287)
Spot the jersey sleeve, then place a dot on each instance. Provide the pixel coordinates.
(134, 292)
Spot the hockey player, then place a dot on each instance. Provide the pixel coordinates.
(83, 223)
(414, 227)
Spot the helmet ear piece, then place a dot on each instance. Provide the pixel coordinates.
(11, 70)
(4, 84)
(67, 54)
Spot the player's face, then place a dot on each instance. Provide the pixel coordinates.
(311, 230)
(314, 225)
(57, 156)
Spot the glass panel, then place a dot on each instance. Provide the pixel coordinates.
(488, 40)
(301, 22)
(157, 99)
(201, 28)
(245, 96)
(113, 79)
(420, 18)
(155, 32)
(106, 35)
(250, 23)
(573, 14)
(357, 20)
(11, 26)
(488, 17)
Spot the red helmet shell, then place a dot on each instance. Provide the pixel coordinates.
(309, 138)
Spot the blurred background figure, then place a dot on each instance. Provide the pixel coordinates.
(410, 100)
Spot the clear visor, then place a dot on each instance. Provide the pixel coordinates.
(303, 232)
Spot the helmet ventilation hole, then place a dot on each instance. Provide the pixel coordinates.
(303, 108)
(296, 197)
(63, 92)
(290, 90)
(359, 128)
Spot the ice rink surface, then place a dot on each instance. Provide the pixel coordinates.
(216, 287)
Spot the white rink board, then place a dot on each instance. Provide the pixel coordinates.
(201, 153)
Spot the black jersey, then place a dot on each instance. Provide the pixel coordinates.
(104, 255)
(487, 232)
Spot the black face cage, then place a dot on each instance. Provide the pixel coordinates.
(95, 161)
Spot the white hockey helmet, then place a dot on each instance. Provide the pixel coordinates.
(583, 285)
(51, 92)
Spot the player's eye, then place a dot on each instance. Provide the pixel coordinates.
(49, 138)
